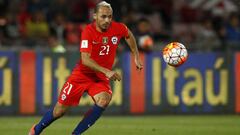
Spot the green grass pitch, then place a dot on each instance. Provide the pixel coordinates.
(132, 125)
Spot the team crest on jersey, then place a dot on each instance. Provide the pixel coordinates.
(63, 96)
(114, 40)
(105, 40)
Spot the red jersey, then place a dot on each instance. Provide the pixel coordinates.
(102, 46)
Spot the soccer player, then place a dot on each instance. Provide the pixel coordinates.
(99, 41)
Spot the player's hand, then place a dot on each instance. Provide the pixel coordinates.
(138, 63)
(113, 75)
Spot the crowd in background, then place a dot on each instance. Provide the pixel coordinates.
(201, 25)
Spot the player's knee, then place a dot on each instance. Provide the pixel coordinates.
(103, 100)
(59, 111)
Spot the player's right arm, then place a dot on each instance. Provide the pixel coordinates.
(86, 49)
(87, 61)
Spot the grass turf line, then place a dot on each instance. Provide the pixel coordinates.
(132, 125)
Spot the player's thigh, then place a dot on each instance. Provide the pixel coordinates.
(71, 93)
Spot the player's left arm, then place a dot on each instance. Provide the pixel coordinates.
(131, 41)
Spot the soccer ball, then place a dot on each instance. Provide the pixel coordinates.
(175, 54)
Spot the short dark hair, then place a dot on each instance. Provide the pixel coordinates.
(102, 4)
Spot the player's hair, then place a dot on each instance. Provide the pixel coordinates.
(102, 4)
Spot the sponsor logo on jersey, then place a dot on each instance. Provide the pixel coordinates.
(84, 44)
(105, 40)
(114, 40)
(95, 42)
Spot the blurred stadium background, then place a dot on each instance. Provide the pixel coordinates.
(39, 43)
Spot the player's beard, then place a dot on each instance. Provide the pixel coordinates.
(105, 26)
